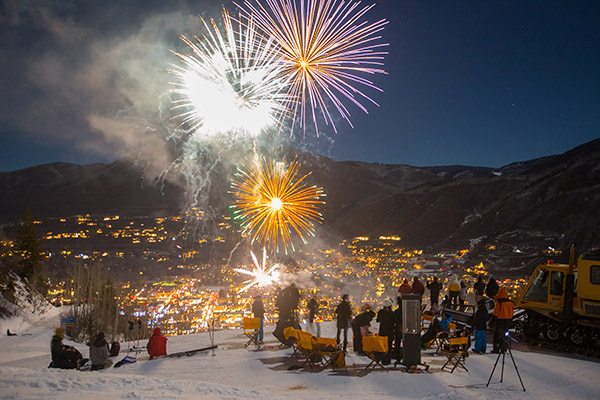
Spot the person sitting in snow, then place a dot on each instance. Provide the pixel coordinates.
(64, 356)
(99, 353)
(157, 344)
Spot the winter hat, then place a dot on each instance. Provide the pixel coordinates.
(387, 303)
(60, 333)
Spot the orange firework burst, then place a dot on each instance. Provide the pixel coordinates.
(326, 48)
(272, 203)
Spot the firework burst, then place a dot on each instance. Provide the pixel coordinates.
(325, 49)
(272, 203)
(261, 275)
(231, 82)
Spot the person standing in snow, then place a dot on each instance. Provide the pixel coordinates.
(503, 314)
(63, 356)
(479, 289)
(454, 291)
(362, 320)
(434, 291)
(313, 310)
(157, 344)
(491, 290)
(258, 309)
(462, 295)
(417, 287)
(99, 353)
(405, 288)
(480, 326)
(344, 316)
(387, 327)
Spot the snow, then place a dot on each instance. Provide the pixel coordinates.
(236, 373)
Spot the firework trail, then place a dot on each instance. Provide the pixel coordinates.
(262, 276)
(272, 203)
(325, 49)
(231, 83)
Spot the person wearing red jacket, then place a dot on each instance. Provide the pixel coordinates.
(405, 288)
(417, 287)
(503, 314)
(157, 344)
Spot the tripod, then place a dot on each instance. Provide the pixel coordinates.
(502, 352)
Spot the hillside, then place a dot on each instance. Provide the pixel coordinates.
(551, 201)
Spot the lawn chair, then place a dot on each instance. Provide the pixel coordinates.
(376, 347)
(305, 347)
(455, 349)
(251, 330)
(291, 335)
(331, 355)
(441, 338)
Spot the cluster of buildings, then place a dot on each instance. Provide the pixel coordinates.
(171, 277)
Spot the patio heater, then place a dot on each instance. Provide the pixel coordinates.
(411, 327)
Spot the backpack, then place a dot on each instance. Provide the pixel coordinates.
(114, 349)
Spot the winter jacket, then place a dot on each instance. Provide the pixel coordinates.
(99, 353)
(344, 314)
(405, 288)
(491, 290)
(157, 344)
(258, 308)
(479, 286)
(364, 318)
(434, 288)
(504, 307)
(387, 322)
(454, 284)
(463, 290)
(313, 308)
(480, 319)
(417, 287)
(64, 357)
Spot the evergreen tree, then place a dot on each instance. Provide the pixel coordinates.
(29, 247)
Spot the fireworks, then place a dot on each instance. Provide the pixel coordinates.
(272, 203)
(262, 276)
(232, 82)
(325, 49)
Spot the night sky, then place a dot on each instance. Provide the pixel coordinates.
(481, 83)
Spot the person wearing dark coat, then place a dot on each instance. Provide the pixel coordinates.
(480, 327)
(434, 291)
(492, 288)
(157, 344)
(344, 316)
(63, 356)
(387, 327)
(362, 319)
(479, 288)
(99, 353)
(258, 309)
(313, 309)
(417, 287)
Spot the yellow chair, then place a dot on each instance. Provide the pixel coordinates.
(455, 349)
(331, 355)
(251, 330)
(376, 347)
(306, 348)
(291, 334)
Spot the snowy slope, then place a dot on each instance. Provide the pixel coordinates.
(237, 373)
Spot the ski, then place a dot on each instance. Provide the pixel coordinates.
(190, 352)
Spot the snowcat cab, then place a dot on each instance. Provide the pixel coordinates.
(562, 302)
